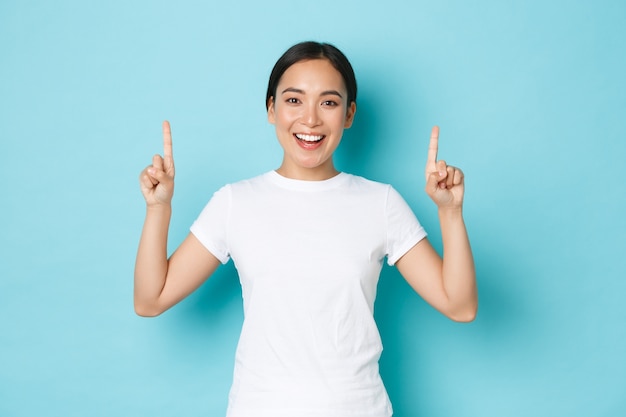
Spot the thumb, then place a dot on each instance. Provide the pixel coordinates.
(433, 180)
(159, 175)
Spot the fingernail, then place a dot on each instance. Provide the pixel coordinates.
(442, 173)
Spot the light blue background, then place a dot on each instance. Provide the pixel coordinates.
(531, 98)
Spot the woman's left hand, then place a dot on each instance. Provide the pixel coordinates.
(444, 183)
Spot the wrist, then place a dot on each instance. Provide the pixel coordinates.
(159, 208)
(450, 212)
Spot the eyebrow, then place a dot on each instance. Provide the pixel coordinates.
(324, 93)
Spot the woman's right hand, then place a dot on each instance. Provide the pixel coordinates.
(157, 180)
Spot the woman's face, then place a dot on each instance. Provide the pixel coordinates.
(310, 112)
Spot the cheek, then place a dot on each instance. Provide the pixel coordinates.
(339, 120)
(287, 115)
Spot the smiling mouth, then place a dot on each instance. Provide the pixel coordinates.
(309, 138)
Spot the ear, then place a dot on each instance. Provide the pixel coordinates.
(271, 117)
(350, 115)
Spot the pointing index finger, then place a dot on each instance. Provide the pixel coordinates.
(167, 142)
(433, 146)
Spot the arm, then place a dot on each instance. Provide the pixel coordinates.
(448, 284)
(161, 282)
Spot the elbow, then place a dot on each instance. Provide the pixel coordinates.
(465, 315)
(146, 310)
(464, 318)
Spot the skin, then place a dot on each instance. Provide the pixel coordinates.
(448, 284)
(310, 100)
(161, 282)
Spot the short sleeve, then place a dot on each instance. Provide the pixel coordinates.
(211, 226)
(403, 229)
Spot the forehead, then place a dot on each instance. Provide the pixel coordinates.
(311, 75)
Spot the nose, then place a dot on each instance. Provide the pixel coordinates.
(311, 116)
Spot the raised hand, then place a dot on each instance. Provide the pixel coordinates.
(444, 183)
(157, 180)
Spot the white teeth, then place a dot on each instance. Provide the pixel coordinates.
(309, 138)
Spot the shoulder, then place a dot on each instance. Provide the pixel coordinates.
(378, 191)
(247, 190)
(358, 182)
(226, 191)
(248, 183)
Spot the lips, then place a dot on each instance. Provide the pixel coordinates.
(309, 141)
(309, 138)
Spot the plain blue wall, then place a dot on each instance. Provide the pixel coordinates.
(531, 98)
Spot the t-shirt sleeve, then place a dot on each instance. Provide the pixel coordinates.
(211, 226)
(403, 228)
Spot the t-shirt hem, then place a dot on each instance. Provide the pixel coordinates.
(223, 258)
(407, 247)
(305, 413)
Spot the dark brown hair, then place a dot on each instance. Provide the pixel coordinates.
(312, 50)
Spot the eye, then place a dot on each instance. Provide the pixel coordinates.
(329, 103)
(292, 100)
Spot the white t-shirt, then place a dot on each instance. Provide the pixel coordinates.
(309, 255)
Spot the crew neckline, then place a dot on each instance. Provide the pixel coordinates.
(306, 185)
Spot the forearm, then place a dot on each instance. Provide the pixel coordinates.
(151, 265)
(458, 272)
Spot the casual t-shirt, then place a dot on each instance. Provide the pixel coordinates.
(308, 255)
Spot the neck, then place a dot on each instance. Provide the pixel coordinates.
(308, 174)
